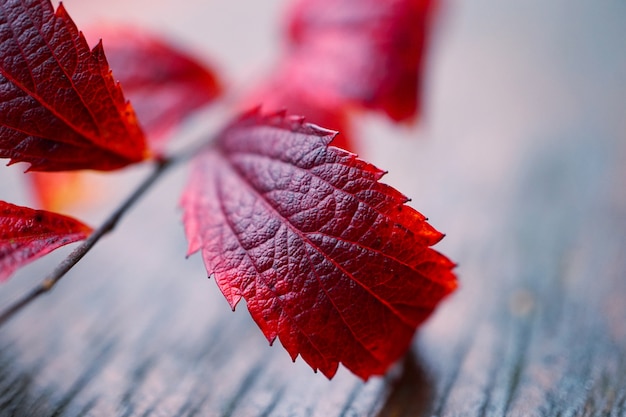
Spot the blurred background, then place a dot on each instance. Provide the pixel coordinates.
(522, 138)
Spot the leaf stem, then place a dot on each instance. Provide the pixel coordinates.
(108, 225)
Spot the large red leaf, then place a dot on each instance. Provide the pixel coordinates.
(328, 259)
(364, 52)
(164, 84)
(27, 234)
(60, 108)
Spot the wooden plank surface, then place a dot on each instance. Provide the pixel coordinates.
(521, 160)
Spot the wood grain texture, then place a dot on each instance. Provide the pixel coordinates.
(521, 161)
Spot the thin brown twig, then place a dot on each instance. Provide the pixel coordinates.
(109, 224)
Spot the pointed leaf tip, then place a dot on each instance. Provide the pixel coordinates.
(70, 114)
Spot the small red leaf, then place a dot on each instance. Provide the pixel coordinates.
(364, 52)
(27, 234)
(60, 108)
(328, 259)
(163, 83)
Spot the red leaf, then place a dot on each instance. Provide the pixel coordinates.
(164, 84)
(27, 234)
(328, 259)
(347, 53)
(60, 108)
(365, 52)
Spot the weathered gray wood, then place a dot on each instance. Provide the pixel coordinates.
(521, 161)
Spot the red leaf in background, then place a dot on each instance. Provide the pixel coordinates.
(60, 191)
(163, 83)
(347, 53)
(27, 234)
(364, 52)
(328, 259)
(60, 108)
